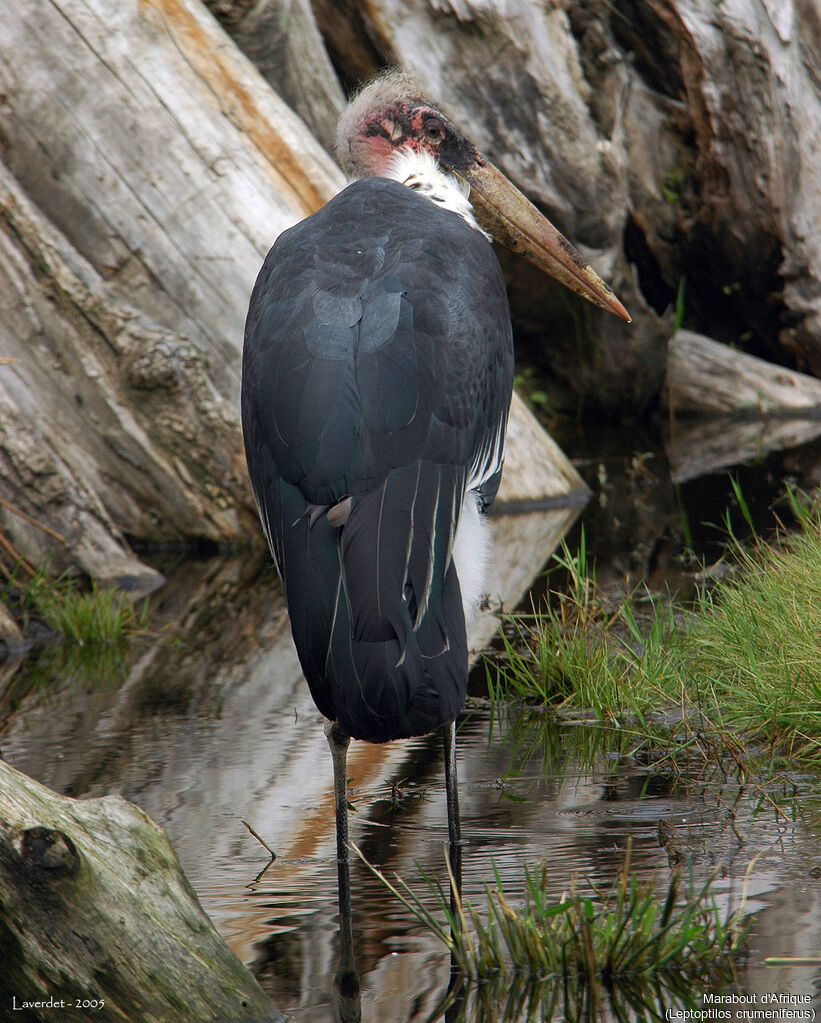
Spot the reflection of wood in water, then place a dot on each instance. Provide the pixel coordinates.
(579, 830)
(367, 766)
(698, 448)
(212, 722)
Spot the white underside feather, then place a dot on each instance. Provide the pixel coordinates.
(471, 554)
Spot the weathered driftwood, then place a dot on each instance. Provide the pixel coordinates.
(283, 41)
(727, 407)
(173, 176)
(124, 280)
(135, 216)
(125, 269)
(98, 920)
(708, 378)
(675, 135)
(109, 423)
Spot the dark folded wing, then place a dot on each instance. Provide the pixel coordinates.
(376, 372)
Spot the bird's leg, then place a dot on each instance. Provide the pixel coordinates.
(347, 978)
(454, 824)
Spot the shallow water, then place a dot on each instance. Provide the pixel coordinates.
(209, 723)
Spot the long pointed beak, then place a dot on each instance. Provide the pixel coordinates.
(514, 222)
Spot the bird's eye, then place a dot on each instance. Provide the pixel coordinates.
(433, 131)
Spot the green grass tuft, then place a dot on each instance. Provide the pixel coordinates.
(627, 935)
(586, 651)
(753, 644)
(745, 658)
(83, 616)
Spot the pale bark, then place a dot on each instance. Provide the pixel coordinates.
(726, 408)
(148, 139)
(282, 39)
(109, 424)
(147, 169)
(708, 378)
(94, 908)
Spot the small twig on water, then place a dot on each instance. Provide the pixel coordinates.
(260, 839)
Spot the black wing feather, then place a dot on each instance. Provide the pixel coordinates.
(377, 368)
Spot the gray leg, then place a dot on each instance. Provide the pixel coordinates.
(454, 824)
(346, 982)
(339, 743)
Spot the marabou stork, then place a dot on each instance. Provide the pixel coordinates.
(376, 379)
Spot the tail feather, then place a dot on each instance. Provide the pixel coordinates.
(406, 670)
(375, 604)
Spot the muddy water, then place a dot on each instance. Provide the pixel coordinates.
(208, 724)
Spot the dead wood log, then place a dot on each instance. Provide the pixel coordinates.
(109, 424)
(135, 216)
(98, 921)
(173, 175)
(734, 204)
(283, 42)
(749, 73)
(708, 378)
(672, 135)
(727, 407)
(125, 268)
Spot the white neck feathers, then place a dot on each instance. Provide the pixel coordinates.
(421, 172)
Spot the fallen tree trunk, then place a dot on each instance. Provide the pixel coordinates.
(708, 378)
(109, 423)
(125, 267)
(284, 44)
(97, 920)
(134, 218)
(726, 407)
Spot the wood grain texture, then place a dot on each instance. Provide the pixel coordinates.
(96, 909)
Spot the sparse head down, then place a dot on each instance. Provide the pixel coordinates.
(391, 114)
(381, 93)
